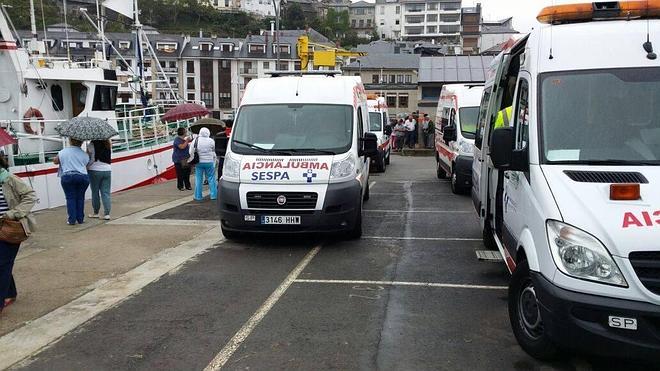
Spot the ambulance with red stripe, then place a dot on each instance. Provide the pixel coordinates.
(379, 124)
(569, 190)
(298, 158)
(455, 127)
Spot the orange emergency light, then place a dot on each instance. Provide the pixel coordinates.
(586, 12)
(625, 192)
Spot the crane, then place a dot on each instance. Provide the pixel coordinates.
(326, 57)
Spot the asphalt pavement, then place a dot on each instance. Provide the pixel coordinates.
(409, 295)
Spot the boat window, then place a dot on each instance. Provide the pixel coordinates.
(105, 98)
(57, 98)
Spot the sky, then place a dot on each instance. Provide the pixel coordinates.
(524, 12)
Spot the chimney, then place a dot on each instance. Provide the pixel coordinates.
(201, 33)
(272, 28)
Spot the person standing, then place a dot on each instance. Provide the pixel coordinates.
(428, 129)
(180, 157)
(410, 131)
(16, 202)
(204, 146)
(74, 179)
(100, 179)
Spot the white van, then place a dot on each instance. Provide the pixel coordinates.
(298, 157)
(455, 127)
(569, 189)
(379, 124)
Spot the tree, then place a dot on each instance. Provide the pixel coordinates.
(335, 25)
(293, 18)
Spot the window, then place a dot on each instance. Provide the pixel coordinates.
(392, 79)
(247, 68)
(431, 29)
(123, 66)
(172, 64)
(57, 98)
(360, 123)
(382, 9)
(266, 66)
(190, 67)
(105, 98)
(162, 64)
(432, 6)
(205, 47)
(391, 100)
(396, 22)
(431, 17)
(375, 121)
(382, 23)
(399, 79)
(353, 23)
(296, 65)
(375, 79)
(284, 49)
(359, 11)
(382, 36)
(146, 64)
(521, 118)
(226, 47)
(403, 100)
(166, 47)
(408, 79)
(481, 122)
(190, 83)
(368, 22)
(283, 66)
(361, 23)
(398, 10)
(191, 97)
(257, 48)
(124, 45)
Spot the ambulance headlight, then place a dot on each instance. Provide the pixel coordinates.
(465, 148)
(580, 255)
(343, 169)
(231, 168)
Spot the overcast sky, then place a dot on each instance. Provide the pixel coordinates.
(524, 12)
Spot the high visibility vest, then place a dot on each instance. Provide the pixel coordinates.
(504, 118)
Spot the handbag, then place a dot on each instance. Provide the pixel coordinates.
(195, 159)
(12, 231)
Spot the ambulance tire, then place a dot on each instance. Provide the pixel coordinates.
(356, 232)
(439, 171)
(380, 163)
(525, 316)
(230, 235)
(366, 192)
(387, 158)
(455, 188)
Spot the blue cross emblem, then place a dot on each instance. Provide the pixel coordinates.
(309, 175)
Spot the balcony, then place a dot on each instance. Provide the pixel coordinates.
(414, 19)
(248, 71)
(410, 31)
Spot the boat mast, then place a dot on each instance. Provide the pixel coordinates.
(100, 26)
(33, 21)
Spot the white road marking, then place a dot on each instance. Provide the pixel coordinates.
(247, 328)
(420, 238)
(30, 339)
(422, 211)
(402, 283)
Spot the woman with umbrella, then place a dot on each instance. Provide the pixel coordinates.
(73, 161)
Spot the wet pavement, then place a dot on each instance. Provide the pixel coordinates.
(409, 295)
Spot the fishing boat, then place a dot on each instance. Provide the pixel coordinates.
(39, 92)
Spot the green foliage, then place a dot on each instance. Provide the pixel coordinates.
(335, 25)
(293, 18)
(19, 11)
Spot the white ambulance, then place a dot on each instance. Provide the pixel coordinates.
(455, 127)
(379, 124)
(298, 157)
(568, 189)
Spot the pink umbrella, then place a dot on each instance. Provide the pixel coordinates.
(5, 138)
(185, 111)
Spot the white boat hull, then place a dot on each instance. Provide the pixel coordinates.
(130, 169)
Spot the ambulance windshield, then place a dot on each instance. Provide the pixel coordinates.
(293, 129)
(601, 117)
(375, 121)
(468, 120)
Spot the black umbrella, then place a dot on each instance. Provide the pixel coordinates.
(214, 125)
(87, 128)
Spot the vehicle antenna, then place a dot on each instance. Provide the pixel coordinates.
(648, 45)
(551, 27)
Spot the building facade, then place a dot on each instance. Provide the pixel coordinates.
(434, 21)
(361, 18)
(471, 29)
(388, 19)
(494, 33)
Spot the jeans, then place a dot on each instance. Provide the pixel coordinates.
(221, 163)
(74, 186)
(100, 182)
(182, 176)
(7, 285)
(208, 169)
(410, 139)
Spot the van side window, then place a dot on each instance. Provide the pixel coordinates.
(481, 122)
(452, 118)
(521, 124)
(360, 124)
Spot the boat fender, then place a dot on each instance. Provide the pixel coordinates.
(27, 126)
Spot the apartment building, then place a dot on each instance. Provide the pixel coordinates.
(433, 21)
(471, 29)
(362, 19)
(494, 33)
(388, 19)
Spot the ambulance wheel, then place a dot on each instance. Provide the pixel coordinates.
(525, 316)
(380, 163)
(356, 232)
(455, 188)
(387, 159)
(439, 171)
(366, 192)
(230, 235)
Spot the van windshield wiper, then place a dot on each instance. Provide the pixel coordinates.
(620, 162)
(306, 151)
(250, 145)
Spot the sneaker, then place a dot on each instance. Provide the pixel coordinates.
(94, 215)
(9, 301)
(107, 217)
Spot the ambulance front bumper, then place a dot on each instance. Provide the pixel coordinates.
(577, 321)
(339, 211)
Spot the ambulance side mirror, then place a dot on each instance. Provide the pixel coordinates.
(449, 133)
(388, 130)
(221, 143)
(369, 145)
(503, 152)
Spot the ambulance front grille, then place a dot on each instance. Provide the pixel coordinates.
(606, 176)
(647, 268)
(294, 200)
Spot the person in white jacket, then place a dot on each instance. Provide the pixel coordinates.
(204, 145)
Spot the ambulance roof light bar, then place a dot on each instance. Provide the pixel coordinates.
(607, 10)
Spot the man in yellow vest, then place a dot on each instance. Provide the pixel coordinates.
(504, 118)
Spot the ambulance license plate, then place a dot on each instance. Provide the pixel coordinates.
(623, 323)
(280, 219)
